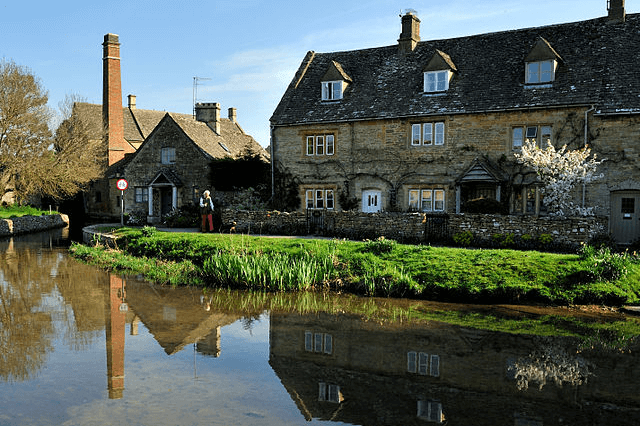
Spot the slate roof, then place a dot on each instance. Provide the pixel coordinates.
(598, 66)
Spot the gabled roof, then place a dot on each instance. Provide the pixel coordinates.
(599, 67)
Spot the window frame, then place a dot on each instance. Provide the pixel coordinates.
(542, 134)
(325, 196)
(440, 82)
(168, 155)
(419, 198)
(141, 194)
(535, 69)
(320, 145)
(428, 133)
(332, 90)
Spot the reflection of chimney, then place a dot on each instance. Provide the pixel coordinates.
(112, 115)
(132, 101)
(616, 10)
(115, 330)
(210, 345)
(410, 35)
(209, 112)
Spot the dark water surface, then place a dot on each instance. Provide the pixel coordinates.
(80, 346)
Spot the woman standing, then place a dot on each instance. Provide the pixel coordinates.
(206, 210)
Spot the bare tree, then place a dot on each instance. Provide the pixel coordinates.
(34, 161)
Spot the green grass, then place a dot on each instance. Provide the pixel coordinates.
(372, 268)
(14, 211)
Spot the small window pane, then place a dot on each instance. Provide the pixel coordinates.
(435, 366)
(546, 71)
(319, 199)
(426, 204)
(328, 343)
(439, 134)
(438, 194)
(337, 90)
(533, 72)
(532, 132)
(441, 85)
(414, 194)
(326, 92)
(310, 145)
(310, 200)
(427, 134)
(411, 362)
(329, 198)
(545, 136)
(319, 145)
(517, 137)
(330, 145)
(322, 391)
(308, 341)
(415, 134)
(423, 363)
(318, 342)
(430, 83)
(333, 393)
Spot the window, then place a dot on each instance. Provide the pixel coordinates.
(320, 145)
(318, 342)
(142, 194)
(427, 134)
(423, 364)
(319, 199)
(430, 411)
(426, 200)
(168, 155)
(436, 81)
(541, 72)
(541, 135)
(328, 392)
(332, 90)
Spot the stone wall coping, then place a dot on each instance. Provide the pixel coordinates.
(31, 224)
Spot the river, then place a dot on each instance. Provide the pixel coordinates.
(81, 346)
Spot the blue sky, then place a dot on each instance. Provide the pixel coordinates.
(249, 49)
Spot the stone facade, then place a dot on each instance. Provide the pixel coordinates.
(30, 224)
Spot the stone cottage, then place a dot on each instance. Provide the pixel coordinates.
(433, 126)
(165, 157)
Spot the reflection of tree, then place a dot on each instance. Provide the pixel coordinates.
(26, 334)
(550, 363)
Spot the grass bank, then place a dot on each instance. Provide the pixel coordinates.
(374, 268)
(9, 212)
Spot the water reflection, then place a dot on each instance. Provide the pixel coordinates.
(188, 356)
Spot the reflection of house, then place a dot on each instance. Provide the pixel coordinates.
(345, 369)
(433, 125)
(176, 318)
(165, 157)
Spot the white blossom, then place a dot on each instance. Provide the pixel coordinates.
(560, 171)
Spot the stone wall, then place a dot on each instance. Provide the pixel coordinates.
(414, 227)
(29, 224)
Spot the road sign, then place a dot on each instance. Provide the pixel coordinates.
(122, 184)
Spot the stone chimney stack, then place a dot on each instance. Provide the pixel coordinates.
(232, 115)
(112, 114)
(410, 35)
(209, 112)
(132, 101)
(616, 10)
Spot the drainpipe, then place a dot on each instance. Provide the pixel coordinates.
(273, 161)
(586, 142)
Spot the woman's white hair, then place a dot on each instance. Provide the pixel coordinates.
(206, 193)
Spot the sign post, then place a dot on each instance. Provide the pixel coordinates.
(122, 184)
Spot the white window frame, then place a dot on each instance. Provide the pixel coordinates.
(423, 364)
(141, 194)
(437, 81)
(329, 392)
(426, 200)
(318, 342)
(319, 199)
(168, 155)
(427, 134)
(320, 145)
(430, 411)
(542, 134)
(540, 72)
(332, 90)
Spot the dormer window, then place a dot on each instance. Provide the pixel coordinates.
(332, 90)
(541, 72)
(436, 81)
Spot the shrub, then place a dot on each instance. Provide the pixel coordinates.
(187, 216)
(484, 206)
(545, 239)
(602, 264)
(149, 231)
(379, 246)
(464, 238)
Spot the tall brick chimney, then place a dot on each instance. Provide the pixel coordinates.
(616, 10)
(112, 115)
(410, 35)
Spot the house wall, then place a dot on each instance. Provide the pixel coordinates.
(191, 167)
(378, 154)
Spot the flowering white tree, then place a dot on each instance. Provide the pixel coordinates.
(560, 170)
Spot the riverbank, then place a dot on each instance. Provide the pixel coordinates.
(31, 224)
(373, 268)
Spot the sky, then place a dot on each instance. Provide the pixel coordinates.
(243, 52)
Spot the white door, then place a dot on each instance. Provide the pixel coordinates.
(625, 216)
(371, 201)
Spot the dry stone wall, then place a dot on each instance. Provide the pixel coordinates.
(29, 224)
